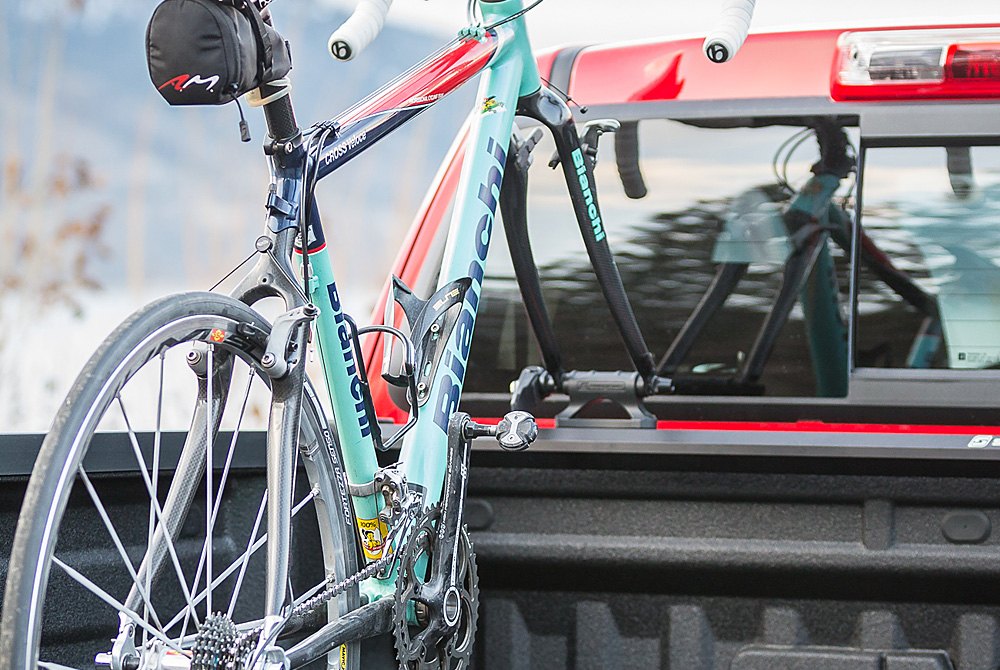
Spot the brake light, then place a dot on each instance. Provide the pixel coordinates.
(917, 65)
(973, 62)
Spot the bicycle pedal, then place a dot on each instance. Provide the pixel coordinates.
(516, 431)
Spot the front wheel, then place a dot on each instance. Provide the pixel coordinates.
(152, 465)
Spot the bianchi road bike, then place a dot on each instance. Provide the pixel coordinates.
(216, 573)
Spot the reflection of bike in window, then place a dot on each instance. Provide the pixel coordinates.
(795, 233)
(798, 236)
(209, 576)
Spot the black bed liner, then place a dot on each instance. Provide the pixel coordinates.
(712, 555)
(705, 550)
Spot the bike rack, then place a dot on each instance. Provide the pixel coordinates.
(810, 222)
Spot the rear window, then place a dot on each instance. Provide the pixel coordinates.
(936, 210)
(909, 331)
(669, 246)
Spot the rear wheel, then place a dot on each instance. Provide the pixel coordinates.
(149, 573)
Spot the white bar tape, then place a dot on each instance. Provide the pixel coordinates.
(359, 30)
(723, 42)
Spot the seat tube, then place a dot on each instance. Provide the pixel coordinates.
(341, 371)
(424, 450)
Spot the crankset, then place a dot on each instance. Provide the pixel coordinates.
(435, 613)
(437, 589)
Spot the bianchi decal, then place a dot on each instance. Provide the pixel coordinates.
(457, 353)
(588, 196)
(357, 393)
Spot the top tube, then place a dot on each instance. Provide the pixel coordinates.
(406, 96)
(431, 80)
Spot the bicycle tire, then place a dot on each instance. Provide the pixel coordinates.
(164, 329)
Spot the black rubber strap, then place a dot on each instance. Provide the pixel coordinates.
(562, 66)
(249, 9)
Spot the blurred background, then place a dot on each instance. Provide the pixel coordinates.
(109, 197)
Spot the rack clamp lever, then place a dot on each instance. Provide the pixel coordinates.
(589, 138)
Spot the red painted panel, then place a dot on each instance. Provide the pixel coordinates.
(803, 427)
(437, 76)
(545, 60)
(823, 427)
(770, 65)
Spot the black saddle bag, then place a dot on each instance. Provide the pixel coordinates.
(210, 52)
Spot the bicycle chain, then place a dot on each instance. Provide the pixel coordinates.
(308, 607)
(243, 644)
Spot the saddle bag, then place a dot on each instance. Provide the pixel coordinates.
(210, 52)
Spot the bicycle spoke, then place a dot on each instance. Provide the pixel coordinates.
(156, 508)
(157, 441)
(246, 556)
(236, 564)
(110, 601)
(205, 560)
(309, 594)
(147, 604)
(222, 482)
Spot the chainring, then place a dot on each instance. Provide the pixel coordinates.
(415, 647)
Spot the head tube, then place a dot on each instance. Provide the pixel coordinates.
(519, 47)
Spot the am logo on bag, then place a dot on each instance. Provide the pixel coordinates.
(182, 81)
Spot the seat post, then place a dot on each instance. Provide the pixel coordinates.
(280, 117)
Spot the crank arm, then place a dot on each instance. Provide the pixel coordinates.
(453, 498)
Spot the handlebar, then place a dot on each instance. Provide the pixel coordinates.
(723, 42)
(359, 30)
(366, 23)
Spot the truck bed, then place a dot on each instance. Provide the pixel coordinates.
(701, 549)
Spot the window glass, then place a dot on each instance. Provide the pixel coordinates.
(936, 211)
(712, 197)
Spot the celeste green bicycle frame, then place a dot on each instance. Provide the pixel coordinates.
(508, 71)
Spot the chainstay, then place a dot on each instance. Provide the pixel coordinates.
(246, 641)
(308, 607)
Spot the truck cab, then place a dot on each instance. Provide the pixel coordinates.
(804, 233)
(808, 238)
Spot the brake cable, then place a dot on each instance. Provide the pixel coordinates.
(514, 15)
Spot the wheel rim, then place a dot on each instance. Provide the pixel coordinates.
(187, 565)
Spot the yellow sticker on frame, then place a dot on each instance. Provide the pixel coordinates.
(372, 533)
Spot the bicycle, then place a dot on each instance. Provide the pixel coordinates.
(395, 558)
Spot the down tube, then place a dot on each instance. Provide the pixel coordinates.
(425, 448)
